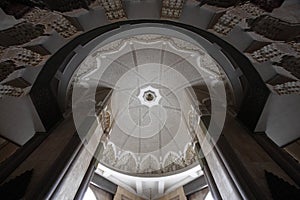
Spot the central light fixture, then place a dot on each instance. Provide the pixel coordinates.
(149, 96)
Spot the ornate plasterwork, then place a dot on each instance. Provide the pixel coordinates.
(127, 162)
(114, 9)
(147, 164)
(176, 43)
(173, 162)
(149, 96)
(190, 155)
(22, 56)
(109, 155)
(172, 8)
(52, 21)
(7, 90)
(93, 61)
(156, 146)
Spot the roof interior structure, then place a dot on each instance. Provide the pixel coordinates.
(154, 64)
(148, 136)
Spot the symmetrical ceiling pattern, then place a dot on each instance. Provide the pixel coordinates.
(151, 104)
(127, 162)
(141, 61)
(31, 30)
(264, 18)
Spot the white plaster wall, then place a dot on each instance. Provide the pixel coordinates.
(239, 38)
(146, 9)
(196, 16)
(280, 118)
(7, 21)
(94, 18)
(18, 119)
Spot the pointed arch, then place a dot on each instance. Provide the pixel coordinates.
(127, 162)
(149, 164)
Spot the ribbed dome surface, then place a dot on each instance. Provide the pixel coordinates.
(156, 126)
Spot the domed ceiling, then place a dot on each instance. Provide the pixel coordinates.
(153, 105)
